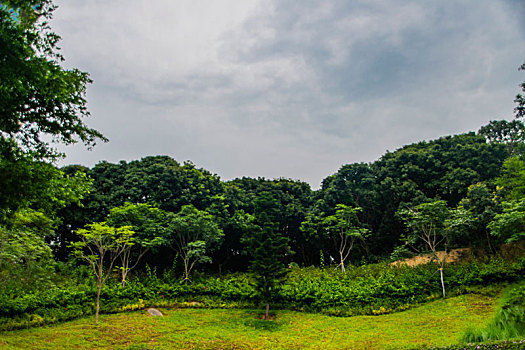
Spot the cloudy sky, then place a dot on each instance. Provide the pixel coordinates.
(288, 88)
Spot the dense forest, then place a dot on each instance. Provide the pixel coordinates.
(477, 176)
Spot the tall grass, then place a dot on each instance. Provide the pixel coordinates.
(509, 320)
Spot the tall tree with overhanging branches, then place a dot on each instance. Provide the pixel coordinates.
(39, 99)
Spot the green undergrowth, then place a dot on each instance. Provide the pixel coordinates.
(367, 290)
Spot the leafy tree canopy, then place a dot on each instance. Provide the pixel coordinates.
(510, 225)
(520, 99)
(38, 98)
(194, 234)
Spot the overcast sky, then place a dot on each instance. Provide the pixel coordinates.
(289, 89)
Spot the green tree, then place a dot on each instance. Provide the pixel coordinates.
(26, 182)
(512, 178)
(511, 133)
(345, 229)
(482, 205)
(427, 222)
(193, 234)
(342, 230)
(267, 249)
(101, 245)
(39, 99)
(150, 232)
(283, 202)
(25, 257)
(510, 225)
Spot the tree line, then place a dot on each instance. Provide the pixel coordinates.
(355, 216)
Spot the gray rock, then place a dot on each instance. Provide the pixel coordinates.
(154, 312)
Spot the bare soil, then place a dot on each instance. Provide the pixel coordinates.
(452, 256)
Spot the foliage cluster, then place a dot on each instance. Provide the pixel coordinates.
(370, 290)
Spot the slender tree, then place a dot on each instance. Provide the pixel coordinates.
(101, 245)
(433, 224)
(520, 99)
(343, 228)
(267, 248)
(346, 230)
(194, 234)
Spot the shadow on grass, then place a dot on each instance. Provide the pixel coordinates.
(142, 347)
(254, 319)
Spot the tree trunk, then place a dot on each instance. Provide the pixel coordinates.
(488, 241)
(342, 262)
(124, 275)
(97, 309)
(186, 272)
(442, 280)
(267, 311)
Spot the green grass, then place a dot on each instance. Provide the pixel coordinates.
(508, 322)
(437, 323)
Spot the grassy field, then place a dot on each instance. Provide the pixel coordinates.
(437, 323)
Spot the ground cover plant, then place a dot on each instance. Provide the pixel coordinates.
(439, 323)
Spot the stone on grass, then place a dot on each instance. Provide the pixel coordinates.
(154, 312)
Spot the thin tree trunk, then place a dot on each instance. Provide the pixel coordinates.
(267, 311)
(442, 280)
(99, 288)
(186, 272)
(123, 282)
(488, 241)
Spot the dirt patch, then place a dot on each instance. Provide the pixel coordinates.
(270, 317)
(510, 251)
(453, 256)
(513, 251)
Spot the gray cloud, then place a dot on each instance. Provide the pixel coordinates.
(292, 89)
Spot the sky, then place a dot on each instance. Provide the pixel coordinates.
(291, 89)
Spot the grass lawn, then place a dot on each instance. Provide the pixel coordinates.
(437, 323)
